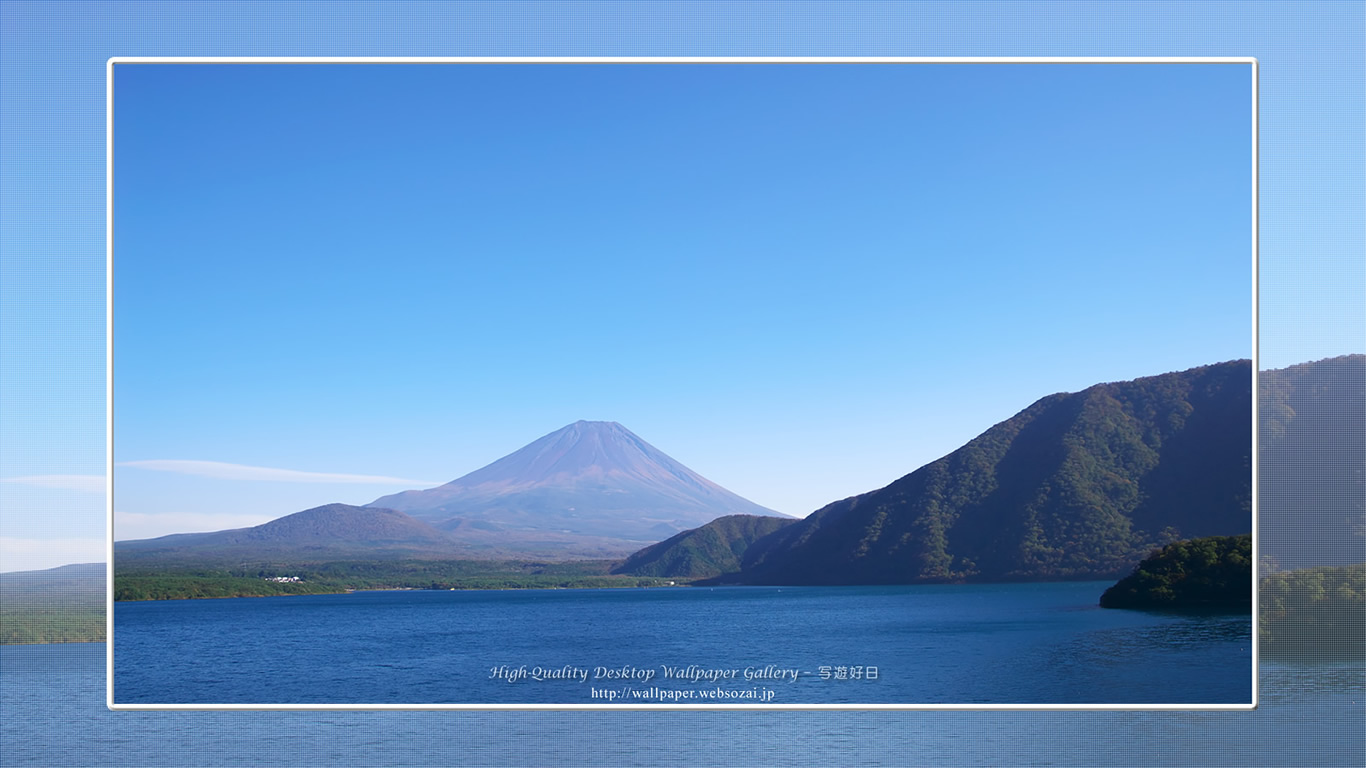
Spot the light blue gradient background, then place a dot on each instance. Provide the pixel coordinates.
(52, 110)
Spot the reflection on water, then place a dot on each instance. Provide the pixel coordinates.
(1114, 644)
(941, 644)
(1145, 658)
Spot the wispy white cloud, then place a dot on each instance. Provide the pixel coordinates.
(225, 471)
(137, 525)
(86, 483)
(40, 554)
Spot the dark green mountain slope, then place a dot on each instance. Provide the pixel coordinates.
(1315, 613)
(1313, 463)
(711, 550)
(1076, 486)
(1213, 572)
(57, 605)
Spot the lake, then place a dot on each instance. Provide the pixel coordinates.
(939, 644)
(52, 697)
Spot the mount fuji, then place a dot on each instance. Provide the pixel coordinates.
(592, 479)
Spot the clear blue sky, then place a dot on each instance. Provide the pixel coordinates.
(803, 281)
(783, 404)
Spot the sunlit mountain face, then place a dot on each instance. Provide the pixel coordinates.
(591, 478)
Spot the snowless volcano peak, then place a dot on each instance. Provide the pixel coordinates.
(591, 477)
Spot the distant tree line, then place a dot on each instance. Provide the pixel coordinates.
(1314, 612)
(1311, 612)
(331, 577)
(36, 624)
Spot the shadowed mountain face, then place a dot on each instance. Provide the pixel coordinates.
(591, 478)
(1079, 485)
(1313, 463)
(713, 550)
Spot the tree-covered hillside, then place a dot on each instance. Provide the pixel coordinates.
(1313, 463)
(58, 605)
(1075, 486)
(1314, 612)
(711, 550)
(1213, 572)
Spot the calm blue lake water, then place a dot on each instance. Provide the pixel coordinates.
(52, 700)
(1019, 643)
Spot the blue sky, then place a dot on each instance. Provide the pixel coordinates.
(798, 342)
(803, 281)
(52, 287)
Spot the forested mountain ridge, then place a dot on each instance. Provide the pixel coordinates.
(57, 605)
(712, 550)
(1312, 476)
(1314, 613)
(1078, 485)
